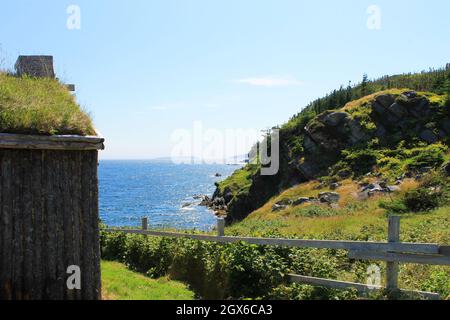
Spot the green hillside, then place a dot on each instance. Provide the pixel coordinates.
(389, 132)
(343, 170)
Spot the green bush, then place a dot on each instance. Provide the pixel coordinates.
(422, 200)
(113, 246)
(314, 263)
(214, 271)
(306, 292)
(395, 206)
(429, 156)
(222, 271)
(432, 193)
(149, 255)
(361, 161)
(253, 272)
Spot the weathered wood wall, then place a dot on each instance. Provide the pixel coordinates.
(48, 222)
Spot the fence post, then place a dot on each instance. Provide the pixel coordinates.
(221, 227)
(144, 223)
(392, 267)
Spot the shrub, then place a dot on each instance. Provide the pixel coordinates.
(389, 162)
(395, 206)
(149, 255)
(214, 271)
(189, 263)
(341, 168)
(306, 292)
(314, 263)
(113, 246)
(360, 161)
(253, 271)
(432, 193)
(429, 156)
(422, 199)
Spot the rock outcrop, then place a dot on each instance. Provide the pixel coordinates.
(389, 117)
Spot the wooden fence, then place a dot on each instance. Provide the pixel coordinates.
(392, 252)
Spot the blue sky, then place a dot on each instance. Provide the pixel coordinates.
(147, 68)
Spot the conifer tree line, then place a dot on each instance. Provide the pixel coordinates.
(434, 80)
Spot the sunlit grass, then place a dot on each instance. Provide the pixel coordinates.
(348, 221)
(40, 106)
(119, 283)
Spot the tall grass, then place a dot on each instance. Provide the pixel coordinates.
(40, 106)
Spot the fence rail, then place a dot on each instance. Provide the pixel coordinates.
(392, 252)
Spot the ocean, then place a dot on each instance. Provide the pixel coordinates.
(162, 191)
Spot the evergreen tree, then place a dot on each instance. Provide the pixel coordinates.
(349, 92)
(434, 80)
(447, 87)
(364, 85)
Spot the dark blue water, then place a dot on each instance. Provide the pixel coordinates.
(161, 191)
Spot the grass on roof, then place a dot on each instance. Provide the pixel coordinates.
(40, 106)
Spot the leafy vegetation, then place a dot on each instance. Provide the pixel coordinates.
(364, 144)
(240, 182)
(218, 271)
(242, 271)
(400, 156)
(119, 283)
(432, 192)
(390, 162)
(40, 106)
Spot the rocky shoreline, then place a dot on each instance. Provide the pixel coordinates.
(217, 205)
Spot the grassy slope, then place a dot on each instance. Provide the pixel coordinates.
(362, 220)
(351, 219)
(433, 97)
(391, 161)
(353, 215)
(119, 283)
(356, 220)
(240, 181)
(40, 106)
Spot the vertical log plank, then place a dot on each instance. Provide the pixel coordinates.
(38, 222)
(87, 234)
(95, 241)
(18, 253)
(6, 228)
(28, 226)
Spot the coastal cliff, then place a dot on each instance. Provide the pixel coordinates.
(372, 131)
